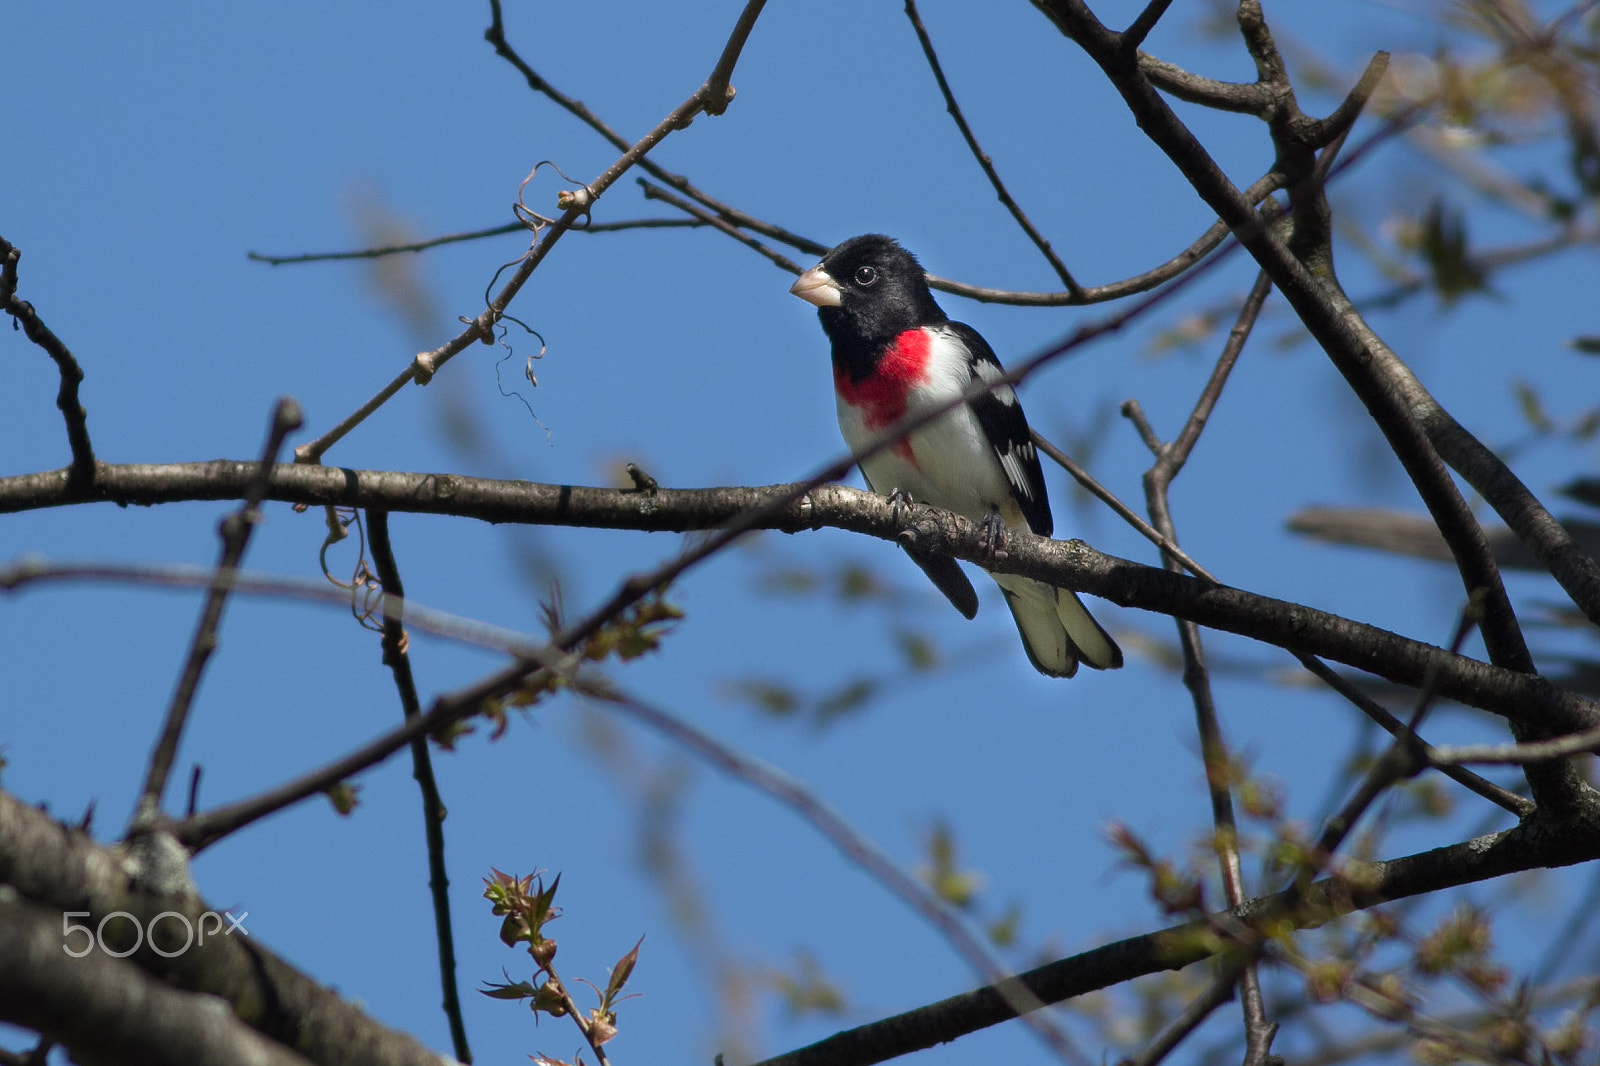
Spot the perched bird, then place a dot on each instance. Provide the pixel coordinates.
(896, 354)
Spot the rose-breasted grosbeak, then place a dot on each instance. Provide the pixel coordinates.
(896, 353)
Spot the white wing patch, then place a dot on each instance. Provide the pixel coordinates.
(1012, 461)
(989, 373)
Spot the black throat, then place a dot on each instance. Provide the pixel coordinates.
(855, 354)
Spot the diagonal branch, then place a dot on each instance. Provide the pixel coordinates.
(732, 216)
(1140, 28)
(1354, 349)
(712, 97)
(496, 35)
(856, 847)
(1466, 863)
(983, 159)
(1520, 806)
(700, 216)
(235, 531)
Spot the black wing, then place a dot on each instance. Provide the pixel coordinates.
(1006, 428)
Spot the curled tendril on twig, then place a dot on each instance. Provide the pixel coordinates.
(527, 370)
(567, 199)
(366, 598)
(366, 591)
(340, 519)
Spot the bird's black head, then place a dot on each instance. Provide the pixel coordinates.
(869, 289)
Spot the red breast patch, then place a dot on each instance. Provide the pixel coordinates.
(881, 398)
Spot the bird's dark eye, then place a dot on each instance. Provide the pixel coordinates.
(866, 276)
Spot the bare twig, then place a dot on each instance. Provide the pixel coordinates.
(207, 828)
(496, 36)
(1172, 459)
(1126, 513)
(1140, 28)
(235, 531)
(702, 217)
(81, 473)
(1169, 462)
(1339, 121)
(470, 235)
(388, 249)
(313, 451)
(712, 97)
(397, 658)
(301, 590)
(731, 221)
(1188, 1020)
(1403, 758)
(983, 159)
(1514, 754)
(1520, 806)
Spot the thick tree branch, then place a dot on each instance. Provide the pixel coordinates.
(1074, 565)
(106, 1010)
(63, 869)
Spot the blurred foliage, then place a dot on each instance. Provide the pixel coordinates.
(804, 990)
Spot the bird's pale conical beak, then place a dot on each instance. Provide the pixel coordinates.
(816, 286)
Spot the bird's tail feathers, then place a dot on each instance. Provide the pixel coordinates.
(1092, 643)
(1057, 630)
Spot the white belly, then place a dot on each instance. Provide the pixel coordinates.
(946, 463)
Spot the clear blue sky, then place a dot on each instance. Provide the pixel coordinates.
(147, 150)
